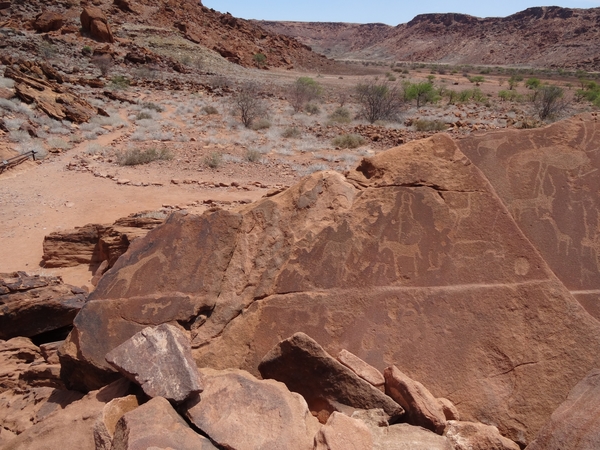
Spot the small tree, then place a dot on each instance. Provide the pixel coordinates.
(303, 91)
(477, 79)
(533, 83)
(422, 92)
(379, 100)
(247, 104)
(550, 101)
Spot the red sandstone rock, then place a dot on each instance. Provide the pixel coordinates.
(422, 408)
(576, 422)
(156, 425)
(408, 437)
(104, 428)
(160, 360)
(31, 305)
(343, 433)
(326, 385)
(476, 436)
(71, 427)
(94, 22)
(240, 412)
(48, 21)
(412, 259)
(450, 410)
(544, 177)
(362, 369)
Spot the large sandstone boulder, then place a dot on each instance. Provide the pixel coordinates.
(547, 179)
(94, 22)
(48, 21)
(575, 425)
(343, 433)
(326, 384)
(477, 436)
(412, 259)
(31, 304)
(238, 411)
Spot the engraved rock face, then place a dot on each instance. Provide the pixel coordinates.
(547, 178)
(412, 259)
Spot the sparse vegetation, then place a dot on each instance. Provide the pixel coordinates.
(550, 102)
(210, 110)
(213, 160)
(340, 115)
(430, 125)
(291, 132)
(120, 82)
(260, 60)
(104, 63)
(137, 156)
(247, 104)
(260, 124)
(253, 155)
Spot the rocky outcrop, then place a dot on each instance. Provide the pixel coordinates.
(31, 304)
(94, 22)
(160, 360)
(241, 412)
(477, 436)
(326, 385)
(48, 21)
(57, 102)
(411, 259)
(94, 243)
(576, 422)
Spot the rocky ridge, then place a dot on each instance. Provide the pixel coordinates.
(538, 37)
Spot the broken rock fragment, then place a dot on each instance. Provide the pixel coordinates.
(327, 385)
(104, 428)
(156, 425)
(343, 433)
(422, 408)
(362, 369)
(160, 360)
(238, 411)
(477, 436)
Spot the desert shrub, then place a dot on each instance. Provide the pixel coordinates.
(260, 59)
(213, 160)
(379, 100)
(533, 83)
(86, 50)
(430, 125)
(477, 79)
(247, 104)
(19, 136)
(312, 108)
(136, 156)
(210, 110)
(550, 102)
(260, 124)
(253, 155)
(6, 83)
(505, 95)
(143, 115)
(291, 132)
(303, 91)
(591, 92)
(120, 82)
(13, 124)
(152, 106)
(104, 63)
(58, 143)
(513, 81)
(47, 50)
(348, 141)
(340, 115)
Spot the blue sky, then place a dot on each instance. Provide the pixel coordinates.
(385, 11)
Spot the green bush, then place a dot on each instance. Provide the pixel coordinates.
(136, 156)
(533, 83)
(379, 101)
(478, 79)
(348, 141)
(430, 125)
(120, 82)
(312, 108)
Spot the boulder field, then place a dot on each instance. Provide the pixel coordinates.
(427, 256)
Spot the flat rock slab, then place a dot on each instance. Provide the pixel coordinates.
(302, 364)
(239, 412)
(403, 436)
(156, 424)
(547, 178)
(31, 304)
(160, 360)
(343, 433)
(576, 422)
